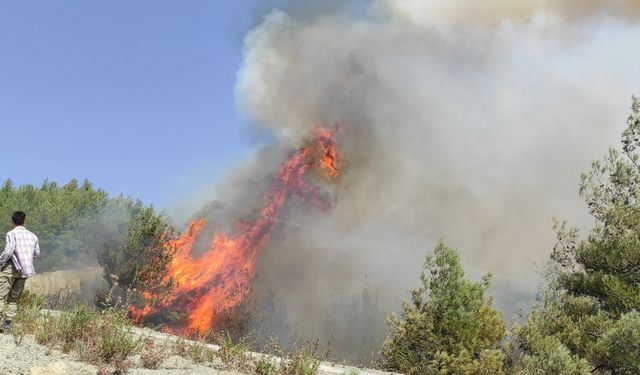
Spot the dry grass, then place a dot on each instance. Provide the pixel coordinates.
(97, 337)
(50, 283)
(28, 316)
(104, 338)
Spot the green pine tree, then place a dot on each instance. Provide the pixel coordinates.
(588, 320)
(449, 326)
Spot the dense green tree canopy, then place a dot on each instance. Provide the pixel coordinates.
(62, 217)
(79, 225)
(449, 326)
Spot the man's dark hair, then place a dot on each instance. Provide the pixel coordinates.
(18, 217)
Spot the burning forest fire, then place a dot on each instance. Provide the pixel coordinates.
(217, 281)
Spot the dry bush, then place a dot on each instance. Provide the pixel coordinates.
(63, 299)
(234, 354)
(304, 361)
(153, 355)
(180, 347)
(120, 363)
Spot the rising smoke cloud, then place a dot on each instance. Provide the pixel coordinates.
(465, 120)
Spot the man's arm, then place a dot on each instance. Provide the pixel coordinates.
(36, 251)
(9, 249)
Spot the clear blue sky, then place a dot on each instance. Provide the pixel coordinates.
(136, 96)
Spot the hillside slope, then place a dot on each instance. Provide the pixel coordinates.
(29, 358)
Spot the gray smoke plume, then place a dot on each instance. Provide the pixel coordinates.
(465, 120)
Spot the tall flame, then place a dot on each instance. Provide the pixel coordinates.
(217, 281)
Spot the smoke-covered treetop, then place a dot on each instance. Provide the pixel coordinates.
(79, 225)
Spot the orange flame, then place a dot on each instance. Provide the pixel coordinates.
(220, 279)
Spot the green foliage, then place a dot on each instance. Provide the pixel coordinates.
(265, 367)
(200, 353)
(449, 326)
(28, 315)
(606, 266)
(46, 331)
(304, 361)
(136, 253)
(549, 340)
(115, 339)
(588, 320)
(302, 358)
(180, 346)
(60, 215)
(574, 335)
(79, 225)
(619, 346)
(74, 325)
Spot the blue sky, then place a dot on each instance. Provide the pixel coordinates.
(136, 96)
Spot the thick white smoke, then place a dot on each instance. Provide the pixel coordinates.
(466, 120)
(446, 13)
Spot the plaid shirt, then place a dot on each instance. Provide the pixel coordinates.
(22, 246)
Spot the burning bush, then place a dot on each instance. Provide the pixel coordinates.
(199, 290)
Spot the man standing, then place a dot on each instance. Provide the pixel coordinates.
(16, 265)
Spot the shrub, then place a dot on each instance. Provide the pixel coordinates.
(200, 353)
(46, 333)
(304, 361)
(180, 347)
(28, 315)
(74, 326)
(30, 299)
(266, 367)
(233, 354)
(153, 354)
(115, 336)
